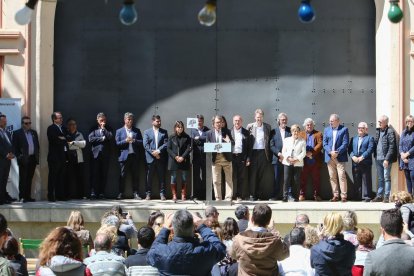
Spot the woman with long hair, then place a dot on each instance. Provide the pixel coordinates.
(406, 149)
(61, 254)
(77, 224)
(16, 261)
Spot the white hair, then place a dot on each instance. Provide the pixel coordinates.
(307, 121)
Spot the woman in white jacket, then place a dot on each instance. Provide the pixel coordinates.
(293, 151)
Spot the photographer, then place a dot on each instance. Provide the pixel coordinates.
(185, 254)
(127, 225)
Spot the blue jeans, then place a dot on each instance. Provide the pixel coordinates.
(384, 177)
(409, 179)
(174, 176)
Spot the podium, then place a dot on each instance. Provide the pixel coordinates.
(209, 149)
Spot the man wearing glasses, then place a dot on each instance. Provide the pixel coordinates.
(26, 148)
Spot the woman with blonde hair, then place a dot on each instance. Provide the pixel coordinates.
(61, 254)
(403, 200)
(333, 255)
(350, 227)
(76, 223)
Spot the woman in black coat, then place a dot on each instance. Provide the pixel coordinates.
(179, 148)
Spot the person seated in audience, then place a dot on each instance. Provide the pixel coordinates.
(302, 220)
(258, 249)
(311, 236)
(365, 240)
(146, 237)
(5, 268)
(333, 255)
(211, 214)
(298, 262)
(61, 254)
(229, 266)
(104, 262)
(350, 227)
(76, 223)
(156, 221)
(185, 254)
(394, 257)
(17, 262)
(121, 245)
(243, 215)
(126, 225)
(403, 200)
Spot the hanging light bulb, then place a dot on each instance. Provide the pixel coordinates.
(395, 14)
(207, 15)
(306, 13)
(24, 15)
(128, 14)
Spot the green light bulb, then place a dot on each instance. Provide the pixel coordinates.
(395, 14)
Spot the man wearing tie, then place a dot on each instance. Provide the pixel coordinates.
(26, 148)
(360, 150)
(129, 141)
(100, 138)
(155, 145)
(221, 160)
(199, 158)
(6, 155)
(56, 158)
(335, 144)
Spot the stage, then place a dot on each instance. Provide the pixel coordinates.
(36, 219)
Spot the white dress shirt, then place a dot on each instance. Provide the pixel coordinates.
(129, 134)
(259, 141)
(334, 132)
(238, 141)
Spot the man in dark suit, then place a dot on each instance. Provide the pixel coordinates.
(129, 142)
(335, 145)
(100, 138)
(155, 145)
(199, 158)
(394, 257)
(261, 155)
(6, 155)
(221, 160)
(277, 137)
(241, 154)
(360, 150)
(56, 158)
(26, 148)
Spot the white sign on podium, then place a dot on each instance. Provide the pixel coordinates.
(217, 147)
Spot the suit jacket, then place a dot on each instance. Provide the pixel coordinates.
(57, 146)
(198, 146)
(123, 146)
(150, 145)
(5, 146)
(276, 142)
(341, 143)
(247, 145)
(318, 145)
(365, 150)
(100, 141)
(389, 144)
(211, 138)
(179, 146)
(395, 258)
(252, 127)
(21, 146)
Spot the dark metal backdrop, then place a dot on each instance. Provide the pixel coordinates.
(258, 55)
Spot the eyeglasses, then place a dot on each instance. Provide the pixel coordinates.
(27, 123)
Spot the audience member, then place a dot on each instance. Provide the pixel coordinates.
(61, 254)
(104, 262)
(156, 221)
(121, 245)
(403, 201)
(302, 220)
(4, 264)
(211, 214)
(298, 262)
(312, 236)
(17, 262)
(76, 223)
(229, 266)
(350, 227)
(333, 255)
(146, 237)
(365, 239)
(257, 249)
(243, 215)
(127, 225)
(394, 257)
(185, 254)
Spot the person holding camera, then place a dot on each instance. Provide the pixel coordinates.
(185, 250)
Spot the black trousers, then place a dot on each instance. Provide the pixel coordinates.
(362, 175)
(56, 184)
(257, 168)
(100, 166)
(129, 166)
(239, 170)
(159, 167)
(199, 177)
(27, 167)
(4, 176)
(75, 179)
(291, 173)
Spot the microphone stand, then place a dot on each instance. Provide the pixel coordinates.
(192, 171)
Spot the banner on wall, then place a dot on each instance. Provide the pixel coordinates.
(12, 108)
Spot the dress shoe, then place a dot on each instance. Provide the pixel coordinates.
(163, 198)
(137, 197)
(344, 199)
(92, 197)
(101, 196)
(251, 198)
(227, 199)
(285, 199)
(120, 196)
(318, 198)
(334, 199)
(9, 198)
(292, 199)
(148, 197)
(366, 200)
(378, 199)
(386, 200)
(239, 199)
(22, 200)
(301, 198)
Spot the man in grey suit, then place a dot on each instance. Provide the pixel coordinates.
(394, 257)
(261, 154)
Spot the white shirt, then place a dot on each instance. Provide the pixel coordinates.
(298, 262)
(238, 141)
(359, 142)
(259, 141)
(156, 138)
(218, 136)
(282, 133)
(334, 132)
(129, 134)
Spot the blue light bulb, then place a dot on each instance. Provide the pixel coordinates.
(128, 14)
(306, 13)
